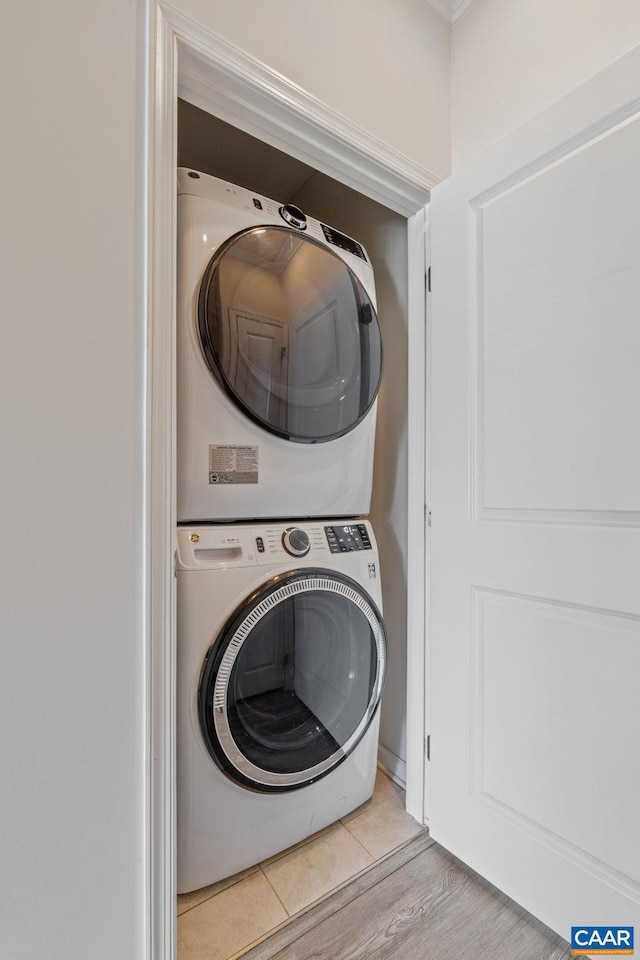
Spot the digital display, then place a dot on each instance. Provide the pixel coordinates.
(351, 538)
(341, 240)
(347, 538)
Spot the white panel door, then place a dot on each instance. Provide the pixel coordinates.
(535, 537)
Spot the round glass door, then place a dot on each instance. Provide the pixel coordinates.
(293, 681)
(290, 333)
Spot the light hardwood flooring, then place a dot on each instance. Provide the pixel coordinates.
(225, 919)
(418, 904)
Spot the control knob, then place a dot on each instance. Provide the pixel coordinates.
(293, 216)
(296, 542)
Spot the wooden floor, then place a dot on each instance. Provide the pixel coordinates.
(419, 904)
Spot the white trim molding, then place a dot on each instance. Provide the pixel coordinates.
(416, 516)
(160, 512)
(220, 78)
(451, 10)
(394, 767)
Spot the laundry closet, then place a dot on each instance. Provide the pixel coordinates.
(211, 146)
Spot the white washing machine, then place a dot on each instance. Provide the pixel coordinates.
(281, 663)
(279, 359)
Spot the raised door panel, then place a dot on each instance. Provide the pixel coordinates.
(535, 537)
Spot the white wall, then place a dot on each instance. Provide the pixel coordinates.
(72, 383)
(513, 58)
(71, 380)
(385, 67)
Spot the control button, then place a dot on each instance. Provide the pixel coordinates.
(364, 536)
(260, 544)
(257, 203)
(293, 216)
(332, 540)
(296, 542)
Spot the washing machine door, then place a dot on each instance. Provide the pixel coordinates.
(293, 681)
(290, 333)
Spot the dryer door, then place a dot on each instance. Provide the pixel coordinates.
(293, 681)
(290, 333)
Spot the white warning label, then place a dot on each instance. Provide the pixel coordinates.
(230, 464)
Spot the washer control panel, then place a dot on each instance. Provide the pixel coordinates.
(310, 541)
(347, 538)
(211, 547)
(279, 542)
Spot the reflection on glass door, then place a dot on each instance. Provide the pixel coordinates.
(290, 333)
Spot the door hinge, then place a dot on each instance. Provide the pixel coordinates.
(428, 747)
(428, 279)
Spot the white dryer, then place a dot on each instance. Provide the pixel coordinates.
(279, 359)
(281, 663)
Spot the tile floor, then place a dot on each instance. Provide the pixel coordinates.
(222, 921)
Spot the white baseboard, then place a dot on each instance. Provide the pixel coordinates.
(393, 766)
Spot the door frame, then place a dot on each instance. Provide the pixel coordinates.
(183, 57)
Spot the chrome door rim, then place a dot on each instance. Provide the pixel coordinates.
(304, 583)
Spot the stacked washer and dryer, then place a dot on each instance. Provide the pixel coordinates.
(281, 643)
